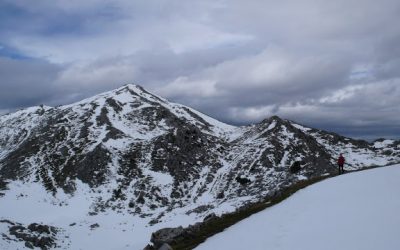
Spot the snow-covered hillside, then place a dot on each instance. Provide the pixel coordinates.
(126, 163)
(355, 211)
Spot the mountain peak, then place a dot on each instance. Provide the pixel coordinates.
(140, 91)
(124, 94)
(271, 119)
(132, 87)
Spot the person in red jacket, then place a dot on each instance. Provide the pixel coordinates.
(340, 163)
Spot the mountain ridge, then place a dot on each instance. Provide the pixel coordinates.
(130, 152)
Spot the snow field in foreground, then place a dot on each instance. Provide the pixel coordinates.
(354, 211)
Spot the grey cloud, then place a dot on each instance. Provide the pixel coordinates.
(370, 109)
(56, 84)
(26, 83)
(133, 26)
(269, 78)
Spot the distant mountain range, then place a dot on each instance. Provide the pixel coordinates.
(155, 163)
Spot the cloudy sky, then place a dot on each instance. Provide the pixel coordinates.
(333, 65)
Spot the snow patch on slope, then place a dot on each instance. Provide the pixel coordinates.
(383, 144)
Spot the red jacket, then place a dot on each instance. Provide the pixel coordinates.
(340, 161)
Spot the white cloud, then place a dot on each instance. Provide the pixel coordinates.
(128, 33)
(196, 88)
(251, 114)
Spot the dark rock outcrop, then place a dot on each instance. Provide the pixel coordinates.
(165, 235)
(34, 235)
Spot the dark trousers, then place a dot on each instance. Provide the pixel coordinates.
(341, 170)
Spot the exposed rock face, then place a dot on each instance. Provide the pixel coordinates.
(34, 235)
(153, 156)
(165, 235)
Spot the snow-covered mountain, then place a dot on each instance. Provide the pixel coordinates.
(109, 170)
(355, 211)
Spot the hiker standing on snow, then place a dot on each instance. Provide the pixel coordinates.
(340, 162)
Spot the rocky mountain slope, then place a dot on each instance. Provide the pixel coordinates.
(133, 155)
